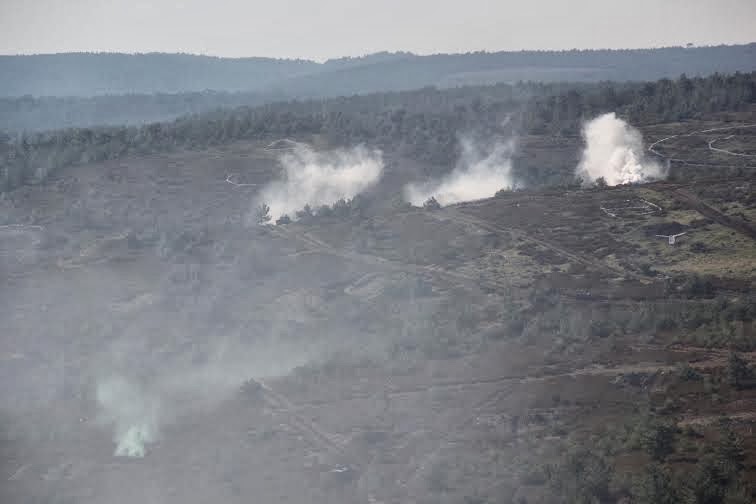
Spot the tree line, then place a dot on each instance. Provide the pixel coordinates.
(97, 74)
(422, 124)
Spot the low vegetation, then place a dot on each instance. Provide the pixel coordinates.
(421, 124)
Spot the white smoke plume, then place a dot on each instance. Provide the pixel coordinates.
(481, 172)
(134, 413)
(139, 409)
(614, 151)
(320, 178)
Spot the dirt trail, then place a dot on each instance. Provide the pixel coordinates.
(725, 151)
(712, 359)
(712, 213)
(704, 420)
(652, 147)
(318, 246)
(229, 180)
(456, 214)
(717, 359)
(593, 370)
(281, 405)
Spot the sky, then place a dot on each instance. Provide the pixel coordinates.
(322, 29)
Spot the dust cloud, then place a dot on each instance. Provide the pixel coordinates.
(614, 152)
(482, 170)
(320, 178)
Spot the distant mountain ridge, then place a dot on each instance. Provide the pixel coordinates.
(95, 74)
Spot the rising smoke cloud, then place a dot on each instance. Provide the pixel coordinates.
(134, 413)
(138, 409)
(614, 151)
(320, 178)
(482, 170)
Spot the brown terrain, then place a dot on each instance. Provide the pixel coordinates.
(410, 355)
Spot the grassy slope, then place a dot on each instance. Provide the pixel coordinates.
(467, 349)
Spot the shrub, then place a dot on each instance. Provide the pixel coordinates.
(730, 450)
(263, 214)
(737, 373)
(687, 373)
(655, 486)
(715, 481)
(657, 438)
(431, 204)
(583, 477)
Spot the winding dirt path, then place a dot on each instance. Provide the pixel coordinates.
(652, 147)
(724, 151)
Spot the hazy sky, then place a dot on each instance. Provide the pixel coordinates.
(320, 29)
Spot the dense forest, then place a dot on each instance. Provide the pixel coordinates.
(541, 66)
(81, 90)
(90, 74)
(37, 114)
(422, 124)
(84, 74)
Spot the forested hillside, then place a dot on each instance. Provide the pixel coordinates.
(89, 74)
(81, 90)
(537, 291)
(28, 113)
(542, 66)
(422, 124)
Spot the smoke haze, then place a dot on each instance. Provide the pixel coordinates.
(138, 408)
(320, 178)
(134, 414)
(481, 171)
(614, 151)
